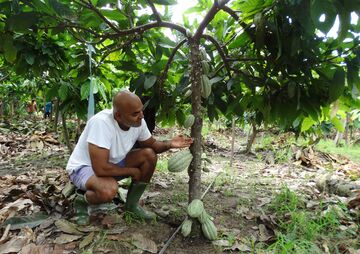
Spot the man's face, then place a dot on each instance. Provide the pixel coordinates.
(131, 116)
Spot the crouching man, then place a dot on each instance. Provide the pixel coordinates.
(104, 154)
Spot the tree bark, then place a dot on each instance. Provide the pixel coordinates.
(56, 120)
(66, 133)
(196, 148)
(346, 134)
(232, 141)
(252, 137)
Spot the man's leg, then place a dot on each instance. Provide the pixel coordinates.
(144, 159)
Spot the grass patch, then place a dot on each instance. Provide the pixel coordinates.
(351, 152)
(301, 230)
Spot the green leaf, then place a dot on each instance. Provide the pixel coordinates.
(20, 22)
(165, 2)
(30, 221)
(337, 85)
(307, 123)
(326, 8)
(197, 9)
(85, 90)
(338, 124)
(114, 15)
(9, 48)
(60, 8)
(30, 58)
(240, 41)
(63, 92)
(149, 81)
(216, 79)
(291, 89)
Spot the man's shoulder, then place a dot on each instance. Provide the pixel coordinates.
(105, 116)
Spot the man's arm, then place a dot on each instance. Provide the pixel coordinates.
(179, 141)
(102, 167)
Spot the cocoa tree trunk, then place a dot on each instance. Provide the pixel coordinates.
(252, 137)
(56, 120)
(196, 149)
(346, 134)
(66, 133)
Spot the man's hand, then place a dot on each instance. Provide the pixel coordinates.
(180, 141)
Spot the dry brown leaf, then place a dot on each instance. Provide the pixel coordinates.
(87, 240)
(14, 245)
(143, 243)
(35, 249)
(66, 238)
(67, 227)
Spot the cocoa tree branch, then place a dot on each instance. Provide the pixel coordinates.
(153, 8)
(208, 17)
(5, 77)
(79, 38)
(117, 48)
(167, 66)
(90, 6)
(244, 59)
(143, 28)
(220, 50)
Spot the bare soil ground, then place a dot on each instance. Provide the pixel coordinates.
(32, 181)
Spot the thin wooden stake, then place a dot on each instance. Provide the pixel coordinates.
(232, 141)
(179, 227)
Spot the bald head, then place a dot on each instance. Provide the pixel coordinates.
(125, 100)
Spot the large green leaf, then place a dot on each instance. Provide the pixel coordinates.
(114, 15)
(20, 22)
(9, 48)
(337, 85)
(149, 81)
(325, 8)
(63, 92)
(240, 41)
(338, 124)
(307, 123)
(165, 2)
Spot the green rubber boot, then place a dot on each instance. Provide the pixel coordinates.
(132, 201)
(81, 207)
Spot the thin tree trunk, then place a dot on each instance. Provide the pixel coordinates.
(66, 133)
(346, 134)
(252, 137)
(56, 120)
(196, 149)
(232, 141)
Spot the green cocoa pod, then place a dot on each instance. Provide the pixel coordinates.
(204, 216)
(205, 67)
(186, 228)
(209, 229)
(203, 54)
(205, 86)
(187, 93)
(195, 208)
(180, 161)
(189, 121)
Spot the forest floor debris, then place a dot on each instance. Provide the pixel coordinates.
(250, 201)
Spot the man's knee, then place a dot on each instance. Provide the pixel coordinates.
(150, 155)
(108, 192)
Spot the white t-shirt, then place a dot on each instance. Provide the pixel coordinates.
(102, 130)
